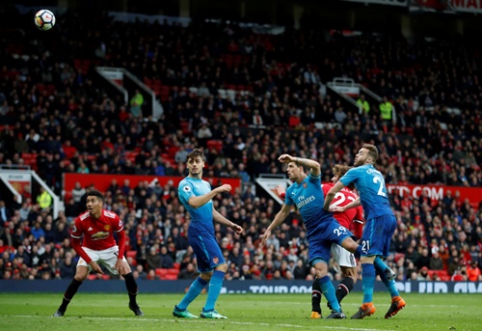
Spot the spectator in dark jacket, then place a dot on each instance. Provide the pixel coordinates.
(166, 258)
(188, 273)
(153, 260)
(67, 267)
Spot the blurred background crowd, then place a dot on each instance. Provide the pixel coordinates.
(243, 98)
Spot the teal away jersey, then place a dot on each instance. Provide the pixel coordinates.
(371, 188)
(202, 217)
(308, 198)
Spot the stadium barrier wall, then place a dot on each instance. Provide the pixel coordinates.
(102, 182)
(234, 286)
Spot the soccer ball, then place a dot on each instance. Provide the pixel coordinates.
(44, 19)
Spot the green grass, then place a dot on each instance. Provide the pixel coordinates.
(426, 312)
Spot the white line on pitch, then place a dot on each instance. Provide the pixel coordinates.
(202, 320)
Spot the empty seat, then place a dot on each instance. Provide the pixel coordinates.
(161, 272)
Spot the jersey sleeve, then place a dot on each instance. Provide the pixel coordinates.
(350, 177)
(117, 224)
(288, 200)
(314, 179)
(77, 229)
(185, 191)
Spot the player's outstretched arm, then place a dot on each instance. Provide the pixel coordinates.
(331, 194)
(121, 266)
(314, 166)
(353, 204)
(198, 201)
(223, 220)
(279, 218)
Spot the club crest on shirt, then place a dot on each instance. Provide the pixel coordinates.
(186, 188)
(304, 185)
(216, 260)
(107, 227)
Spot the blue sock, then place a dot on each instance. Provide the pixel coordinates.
(358, 252)
(368, 281)
(329, 291)
(215, 285)
(380, 266)
(194, 290)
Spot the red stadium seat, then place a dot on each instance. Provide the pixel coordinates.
(161, 272)
(172, 151)
(173, 271)
(216, 144)
(131, 156)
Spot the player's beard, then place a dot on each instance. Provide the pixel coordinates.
(359, 163)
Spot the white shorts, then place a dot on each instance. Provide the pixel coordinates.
(107, 257)
(343, 257)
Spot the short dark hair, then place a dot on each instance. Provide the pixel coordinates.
(372, 151)
(95, 193)
(195, 153)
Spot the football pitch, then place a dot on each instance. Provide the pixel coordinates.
(425, 312)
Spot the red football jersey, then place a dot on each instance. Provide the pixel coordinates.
(349, 217)
(98, 233)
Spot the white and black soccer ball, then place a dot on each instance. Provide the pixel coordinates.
(44, 19)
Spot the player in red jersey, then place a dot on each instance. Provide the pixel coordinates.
(351, 219)
(97, 226)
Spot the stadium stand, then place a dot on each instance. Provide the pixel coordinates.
(244, 98)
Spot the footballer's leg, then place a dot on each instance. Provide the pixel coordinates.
(357, 250)
(327, 288)
(316, 299)
(120, 266)
(346, 284)
(370, 243)
(347, 263)
(131, 286)
(110, 259)
(397, 303)
(368, 280)
(219, 267)
(215, 285)
(80, 275)
(180, 310)
(197, 286)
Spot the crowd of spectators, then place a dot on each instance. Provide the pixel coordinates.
(54, 110)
